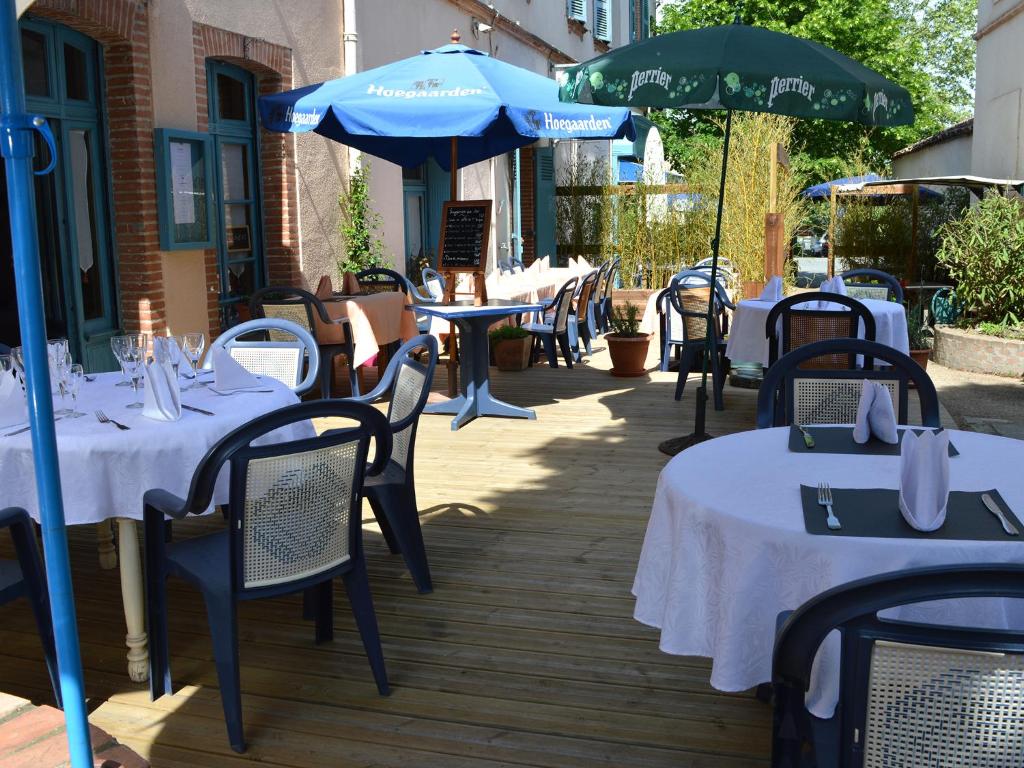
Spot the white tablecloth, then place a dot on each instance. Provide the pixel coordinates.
(105, 471)
(748, 343)
(726, 550)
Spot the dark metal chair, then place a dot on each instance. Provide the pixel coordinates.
(24, 577)
(872, 284)
(793, 394)
(304, 309)
(910, 694)
(803, 323)
(392, 491)
(553, 325)
(380, 280)
(688, 296)
(293, 525)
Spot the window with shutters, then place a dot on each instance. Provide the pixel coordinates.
(603, 20)
(576, 9)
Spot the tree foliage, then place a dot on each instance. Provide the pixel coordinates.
(927, 46)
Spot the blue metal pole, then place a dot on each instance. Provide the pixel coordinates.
(16, 147)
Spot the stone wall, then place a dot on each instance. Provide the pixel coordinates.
(968, 351)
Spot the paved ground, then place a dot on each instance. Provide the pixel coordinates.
(982, 403)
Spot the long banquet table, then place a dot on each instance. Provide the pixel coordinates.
(105, 471)
(726, 550)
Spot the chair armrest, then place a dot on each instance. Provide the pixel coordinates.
(166, 503)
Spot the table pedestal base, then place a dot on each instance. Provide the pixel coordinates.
(132, 595)
(105, 546)
(474, 362)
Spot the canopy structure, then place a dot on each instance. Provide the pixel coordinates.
(409, 111)
(870, 184)
(977, 184)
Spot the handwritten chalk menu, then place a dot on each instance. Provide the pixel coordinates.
(465, 229)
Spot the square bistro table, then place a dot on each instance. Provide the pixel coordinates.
(473, 323)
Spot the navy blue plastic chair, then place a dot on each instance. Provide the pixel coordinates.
(553, 325)
(910, 694)
(803, 323)
(792, 394)
(516, 265)
(24, 577)
(380, 280)
(688, 296)
(872, 284)
(304, 309)
(392, 491)
(293, 525)
(4, 349)
(606, 295)
(582, 315)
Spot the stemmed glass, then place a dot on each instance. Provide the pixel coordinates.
(18, 363)
(167, 349)
(75, 377)
(117, 344)
(60, 360)
(193, 345)
(134, 359)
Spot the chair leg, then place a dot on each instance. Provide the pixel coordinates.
(395, 506)
(566, 346)
(156, 607)
(386, 530)
(666, 357)
(685, 363)
(548, 340)
(323, 594)
(222, 616)
(717, 378)
(357, 585)
(326, 371)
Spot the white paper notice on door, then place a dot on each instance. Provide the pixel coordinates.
(182, 186)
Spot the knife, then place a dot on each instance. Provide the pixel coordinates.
(808, 439)
(197, 410)
(990, 503)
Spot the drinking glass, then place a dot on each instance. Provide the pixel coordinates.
(193, 345)
(6, 364)
(18, 363)
(75, 377)
(59, 365)
(117, 344)
(167, 349)
(134, 362)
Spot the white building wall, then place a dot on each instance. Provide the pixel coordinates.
(998, 146)
(950, 158)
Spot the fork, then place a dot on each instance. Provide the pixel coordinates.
(102, 418)
(240, 392)
(825, 500)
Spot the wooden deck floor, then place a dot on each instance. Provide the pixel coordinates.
(526, 654)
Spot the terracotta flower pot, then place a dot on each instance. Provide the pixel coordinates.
(513, 354)
(629, 354)
(920, 357)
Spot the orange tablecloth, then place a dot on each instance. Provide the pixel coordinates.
(375, 319)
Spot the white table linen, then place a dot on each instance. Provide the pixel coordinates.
(748, 343)
(726, 550)
(105, 471)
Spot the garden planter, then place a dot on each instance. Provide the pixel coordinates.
(512, 354)
(920, 356)
(629, 354)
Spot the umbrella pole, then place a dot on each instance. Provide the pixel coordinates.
(453, 195)
(676, 444)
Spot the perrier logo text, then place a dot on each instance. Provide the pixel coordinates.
(781, 85)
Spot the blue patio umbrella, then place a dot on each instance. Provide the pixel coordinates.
(823, 191)
(410, 110)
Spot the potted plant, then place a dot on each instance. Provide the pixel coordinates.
(920, 335)
(626, 344)
(511, 346)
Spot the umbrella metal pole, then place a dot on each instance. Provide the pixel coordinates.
(676, 444)
(16, 147)
(453, 195)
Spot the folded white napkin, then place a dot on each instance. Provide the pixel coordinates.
(162, 399)
(772, 289)
(545, 264)
(583, 264)
(13, 409)
(572, 261)
(534, 266)
(228, 374)
(924, 479)
(875, 415)
(833, 285)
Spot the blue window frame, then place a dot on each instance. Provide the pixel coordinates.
(603, 12)
(237, 193)
(576, 9)
(184, 184)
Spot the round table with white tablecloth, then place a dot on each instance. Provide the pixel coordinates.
(726, 550)
(105, 471)
(749, 343)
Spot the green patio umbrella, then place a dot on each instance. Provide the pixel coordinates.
(732, 67)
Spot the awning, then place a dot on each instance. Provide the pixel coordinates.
(974, 183)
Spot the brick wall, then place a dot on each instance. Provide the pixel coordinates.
(967, 351)
(122, 27)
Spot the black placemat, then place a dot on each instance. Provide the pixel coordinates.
(875, 512)
(840, 440)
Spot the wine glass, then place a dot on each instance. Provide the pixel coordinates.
(59, 365)
(117, 344)
(193, 345)
(74, 379)
(133, 359)
(18, 363)
(6, 364)
(167, 349)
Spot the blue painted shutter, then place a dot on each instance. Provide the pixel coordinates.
(576, 9)
(603, 20)
(438, 190)
(544, 202)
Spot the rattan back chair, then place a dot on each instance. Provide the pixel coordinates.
(306, 310)
(295, 363)
(392, 491)
(910, 694)
(582, 314)
(553, 325)
(24, 577)
(793, 394)
(294, 525)
(687, 315)
(380, 280)
(872, 284)
(799, 320)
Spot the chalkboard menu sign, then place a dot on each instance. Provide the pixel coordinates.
(465, 229)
